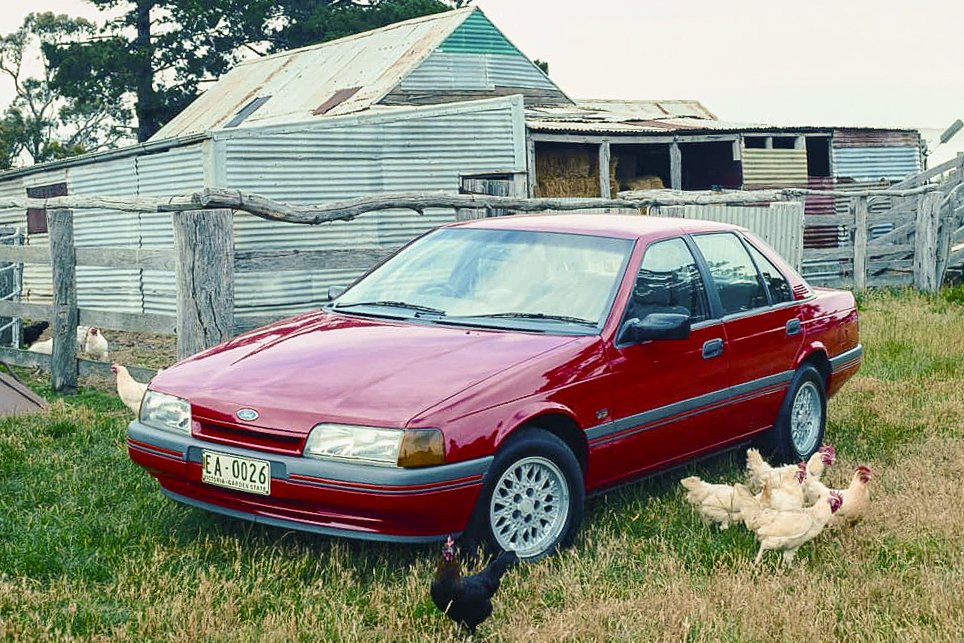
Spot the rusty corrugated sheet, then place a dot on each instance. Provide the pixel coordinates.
(875, 138)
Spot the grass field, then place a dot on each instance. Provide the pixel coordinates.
(89, 549)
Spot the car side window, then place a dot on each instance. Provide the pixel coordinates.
(736, 278)
(776, 282)
(669, 282)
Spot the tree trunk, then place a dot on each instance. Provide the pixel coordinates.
(147, 108)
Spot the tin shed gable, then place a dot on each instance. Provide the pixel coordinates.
(475, 60)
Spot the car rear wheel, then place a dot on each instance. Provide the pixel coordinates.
(802, 419)
(533, 498)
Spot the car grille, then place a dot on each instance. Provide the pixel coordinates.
(250, 438)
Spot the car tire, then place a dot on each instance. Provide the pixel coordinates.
(802, 420)
(533, 498)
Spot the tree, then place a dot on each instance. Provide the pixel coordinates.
(160, 52)
(39, 123)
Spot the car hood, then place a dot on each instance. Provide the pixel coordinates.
(324, 367)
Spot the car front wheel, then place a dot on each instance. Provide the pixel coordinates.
(533, 498)
(802, 419)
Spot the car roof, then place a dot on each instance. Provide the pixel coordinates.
(627, 226)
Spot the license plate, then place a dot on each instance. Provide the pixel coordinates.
(242, 474)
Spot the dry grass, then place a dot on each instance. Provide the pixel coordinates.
(89, 550)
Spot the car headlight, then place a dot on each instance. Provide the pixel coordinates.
(167, 412)
(387, 447)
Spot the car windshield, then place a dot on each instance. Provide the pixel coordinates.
(499, 278)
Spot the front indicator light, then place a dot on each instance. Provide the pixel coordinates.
(421, 448)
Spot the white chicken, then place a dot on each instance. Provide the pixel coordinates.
(45, 346)
(759, 469)
(131, 391)
(785, 531)
(856, 497)
(95, 345)
(783, 488)
(715, 503)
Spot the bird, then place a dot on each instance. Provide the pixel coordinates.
(715, 503)
(757, 468)
(131, 391)
(32, 332)
(856, 497)
(45, 346)
(95, 345)
(783, 488)
(785, 531)
(467, 600)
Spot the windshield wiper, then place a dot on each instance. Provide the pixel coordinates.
(521, 315)
(393, 304)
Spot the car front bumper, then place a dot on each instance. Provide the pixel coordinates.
(331, 498)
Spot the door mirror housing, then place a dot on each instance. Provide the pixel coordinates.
(655, 326)
(334, 292)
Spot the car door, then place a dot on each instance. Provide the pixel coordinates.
(665, 390)
(762, 326)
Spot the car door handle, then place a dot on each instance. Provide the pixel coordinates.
(793, 327)
(712, 348)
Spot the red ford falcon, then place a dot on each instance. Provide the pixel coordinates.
(490, 374)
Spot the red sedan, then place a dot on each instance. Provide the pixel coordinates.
(490, 374)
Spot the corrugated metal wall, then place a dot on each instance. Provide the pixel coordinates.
(780, 225)
(322, 162)
(874, 163)
(774, 167)
(176, 171)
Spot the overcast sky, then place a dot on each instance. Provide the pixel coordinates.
(819, 62)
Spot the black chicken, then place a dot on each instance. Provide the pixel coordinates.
(467, 600)
(32, 332)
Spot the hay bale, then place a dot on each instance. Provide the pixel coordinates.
(643, 183)
(567, 187)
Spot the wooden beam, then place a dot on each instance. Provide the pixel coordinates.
(531, 177)
(85, 367)
(25, 254)
(63, 358)
(925, 243)
(133, 322)
(28, 311)
(287, 260)
(605, 190)
(204, 243)
(858, 207)
(675, 167)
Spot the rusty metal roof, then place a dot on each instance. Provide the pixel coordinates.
(297, 83)
(655, 117)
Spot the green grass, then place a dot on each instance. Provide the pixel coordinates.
(89, 549)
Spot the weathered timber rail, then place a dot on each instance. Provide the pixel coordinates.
(205, 261)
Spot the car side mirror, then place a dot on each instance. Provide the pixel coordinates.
(334, 292)
(655, 326)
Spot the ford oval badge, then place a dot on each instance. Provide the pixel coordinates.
(248, 415)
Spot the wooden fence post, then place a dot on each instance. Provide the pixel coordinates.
(858, 207)
(925, 242)
(63, 312)
(204, 245)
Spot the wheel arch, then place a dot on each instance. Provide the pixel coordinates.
(560, 423)
(816, 355)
